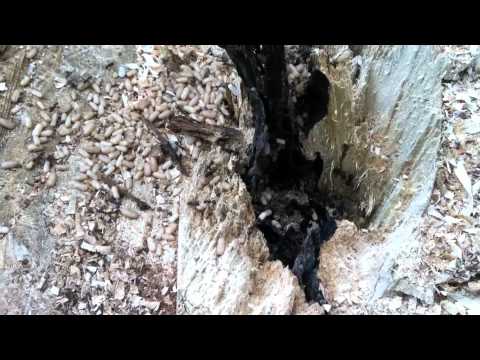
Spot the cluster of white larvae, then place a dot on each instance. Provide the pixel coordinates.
(105, 118)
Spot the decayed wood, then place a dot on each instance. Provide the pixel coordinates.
(6, 106)
(211, 133)
(246, 61)
(167, 148)
(263, 72)
(124, 192)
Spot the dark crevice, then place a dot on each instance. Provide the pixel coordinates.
(279, 177)
(315, 101)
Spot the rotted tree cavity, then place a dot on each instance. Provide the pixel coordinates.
(283, 183)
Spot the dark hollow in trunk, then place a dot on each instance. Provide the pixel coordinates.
(279, 177)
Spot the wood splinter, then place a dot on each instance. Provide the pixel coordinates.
(165, 145)
(210, 133)
(124, 193)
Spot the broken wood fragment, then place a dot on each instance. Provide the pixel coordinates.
(124, 192)
(277, 162)
(210, 133)
(167, 148)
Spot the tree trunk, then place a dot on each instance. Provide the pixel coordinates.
(383, 119)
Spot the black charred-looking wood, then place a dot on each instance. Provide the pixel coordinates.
(268, 94)
(246, 59)
(315, 100)
(246, 62)
(264, 73)
(282, 165)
